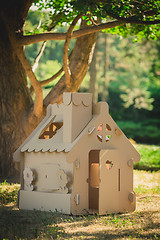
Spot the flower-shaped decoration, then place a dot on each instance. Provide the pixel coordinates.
(104, 132)
(28, 178)
(29, 187)
(28, 175)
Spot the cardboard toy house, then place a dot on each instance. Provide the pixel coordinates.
(77, 160)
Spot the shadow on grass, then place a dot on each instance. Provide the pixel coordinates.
(18, 224)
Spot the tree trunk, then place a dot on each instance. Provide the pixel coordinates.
(14, 101)
(105, 68)
(79, 64)
(93, 85)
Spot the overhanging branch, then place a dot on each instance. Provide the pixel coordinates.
(65, 50)
(30, 39)
(38, 105)
(27, 40)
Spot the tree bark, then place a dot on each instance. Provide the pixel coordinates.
(14, 101)
(93, 84)
(105, 68)
(30, 39)
(16, 120)
(79, 64)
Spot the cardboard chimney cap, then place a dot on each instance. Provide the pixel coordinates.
(77, 98)
(102, 107)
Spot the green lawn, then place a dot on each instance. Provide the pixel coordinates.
(150, 157)
(141, 224)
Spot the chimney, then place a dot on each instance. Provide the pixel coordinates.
(77, 114)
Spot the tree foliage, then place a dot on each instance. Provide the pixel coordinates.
(137, 17)
(140, 18)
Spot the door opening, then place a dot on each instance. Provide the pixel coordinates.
(94, 179)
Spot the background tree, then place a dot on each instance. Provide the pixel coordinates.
(19, 112)
(93, 83)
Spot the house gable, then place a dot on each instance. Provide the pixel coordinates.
(103, 133)
(87, 158)
(50, 135)
(100, 132)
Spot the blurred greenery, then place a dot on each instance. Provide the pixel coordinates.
(132, 79)
(144, 131)
(150, 157)
(46, 70)
(8, 192)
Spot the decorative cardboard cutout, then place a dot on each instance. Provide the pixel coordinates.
(77, 158)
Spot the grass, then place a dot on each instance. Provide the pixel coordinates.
(142, 224)
(148, 184)
(8, 192)
(150, 157)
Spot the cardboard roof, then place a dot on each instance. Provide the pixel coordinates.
(56, 143)
(53, 144)
(55, 114)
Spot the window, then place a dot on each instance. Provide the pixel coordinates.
(104, 134)
(108, 137)
(109, 165)
(50, 130)
(100, 127)
(108, 128)
(100, 137)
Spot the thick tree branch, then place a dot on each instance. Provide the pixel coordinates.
(25, 7)
(65, 50)
(79, 65)
(133, 19)
(27, 40)
(38, 105)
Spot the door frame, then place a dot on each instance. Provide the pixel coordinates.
(93, 180)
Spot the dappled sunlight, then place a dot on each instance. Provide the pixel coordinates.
(149, 179)
(135, 225)
(143, 223)
(148, 202)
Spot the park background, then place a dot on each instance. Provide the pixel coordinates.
(125, 72)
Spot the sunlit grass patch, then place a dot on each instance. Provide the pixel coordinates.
(143, 223)
(150, 157)
(8, 192)
(145, 189)
(146, 182)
